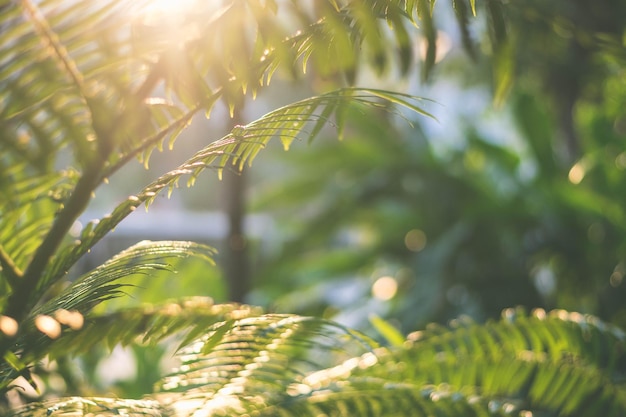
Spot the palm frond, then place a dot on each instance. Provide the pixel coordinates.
(242, 365)
(373, 397)
(187, 318)
(32, 342)
(79, 406)
(236, 149)
(560, 364)
(142, 257)
(563, 364)
(567, 363)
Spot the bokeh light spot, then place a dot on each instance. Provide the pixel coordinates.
(72, 319)
(48, 326)
(616, 279)
(76, 228)
(415, 240)
(385, 288)
(576, 173)
(620, 161)
(8, 326)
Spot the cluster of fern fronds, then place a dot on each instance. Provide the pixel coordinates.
(97, 84)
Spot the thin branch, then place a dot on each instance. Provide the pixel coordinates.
(137, 97)
(19, 303)
(67, 63)
(151, 140)
(42, 26)
(108, 171)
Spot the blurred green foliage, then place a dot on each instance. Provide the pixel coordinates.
(386, 231)
(535, 222)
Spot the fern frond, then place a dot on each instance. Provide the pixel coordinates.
(372, 397)
(556, 364)
(28, 207)
(412, 380)
(241, 365)
(42, 92)
(561, 364)
(86, 292)
(187, 318)
(565, 364)
(238, 148)
(47, 35)
(80, 297)
(568, 363)
(281, 347)
(79, 406)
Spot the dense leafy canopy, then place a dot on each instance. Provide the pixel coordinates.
(86, 87)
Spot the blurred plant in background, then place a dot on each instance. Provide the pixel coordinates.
(469, 218)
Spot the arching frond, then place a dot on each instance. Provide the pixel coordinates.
(566, 363)
(273, 365)
(65, 88)
(187, 318)
(78, 406)
(68, 310)
(150, 324)
(94, 93)
(142, 257)
(267, 349)
(302, 120)
(372, 397)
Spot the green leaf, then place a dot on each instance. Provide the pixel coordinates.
(79, 406)
(291, 365)
(462, 17)
(386, 330)
(216, 336)
(430, 33)
(86, 292)
(186, 318)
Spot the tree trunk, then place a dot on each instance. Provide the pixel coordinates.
(236, 266)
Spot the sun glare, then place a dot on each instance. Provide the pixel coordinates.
(164, 12)
(168, 6)
(170, 21)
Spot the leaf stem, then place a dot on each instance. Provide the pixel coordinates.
(20, 302)
(150, 140)
(42, 26)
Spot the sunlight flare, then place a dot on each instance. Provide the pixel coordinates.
(166, 20)
(166, 8)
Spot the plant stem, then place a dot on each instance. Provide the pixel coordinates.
(20, 302)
